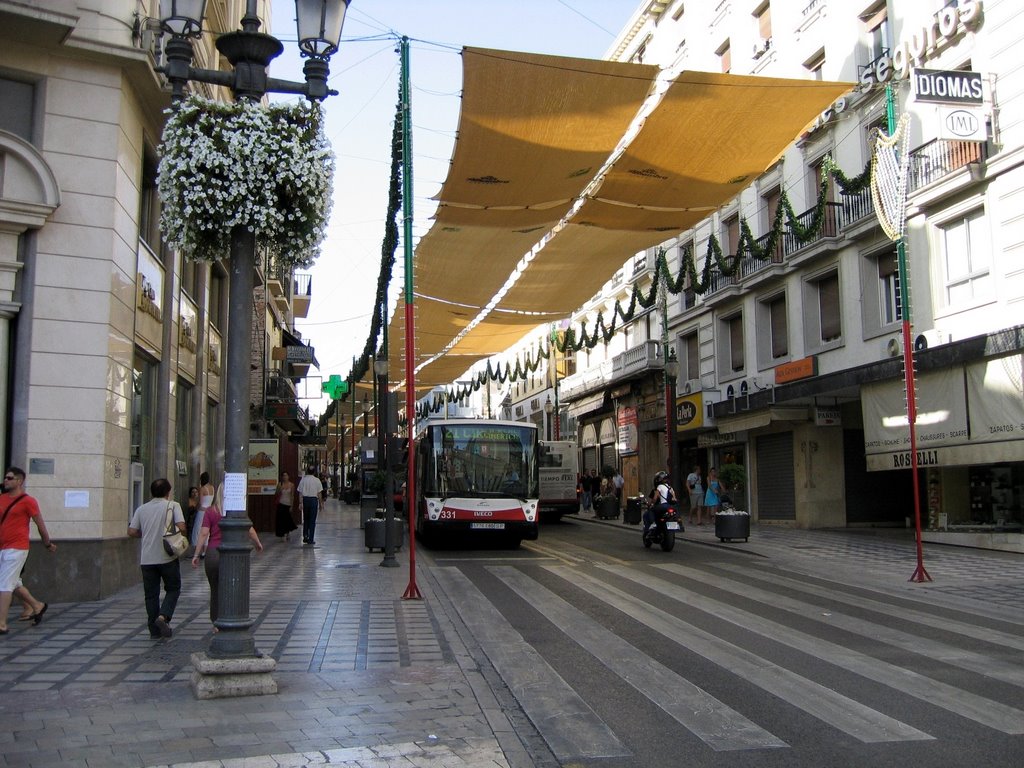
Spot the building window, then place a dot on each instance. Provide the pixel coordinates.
(778, 326)
(815, 65)
(763, 16)
(690, 364)
(144, 376)
(830, 326)
(725, 57)
(19, 101)
(216, 296)
(734, 342)
(889, 300)
(731, 234)
(876, 26)
(149, 203)
(967, 255)
(183, 424)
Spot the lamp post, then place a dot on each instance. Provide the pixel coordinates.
(380, 370)
(671, 372)
(548, 410)
(249, 53)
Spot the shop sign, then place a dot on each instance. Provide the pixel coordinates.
(607, 432)
(960, 124)
(689, 412)
(716, 439)
(922, 42)
(939, 86)
(629, 432)
(589, 437)
(263, 467)
(299, 354)
(795, 370)
(827, 417)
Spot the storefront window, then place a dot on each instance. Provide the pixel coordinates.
(144, 374)
(995, 495)
(183, 427)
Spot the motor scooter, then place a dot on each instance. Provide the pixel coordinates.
(666, 525)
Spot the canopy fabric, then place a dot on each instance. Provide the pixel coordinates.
(534, 132)
(708, 139)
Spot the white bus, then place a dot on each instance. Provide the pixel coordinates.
(476, 476)
(559, 479)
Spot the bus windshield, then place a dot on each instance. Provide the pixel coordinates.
(480, 460)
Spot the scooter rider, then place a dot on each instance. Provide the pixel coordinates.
(660, 496)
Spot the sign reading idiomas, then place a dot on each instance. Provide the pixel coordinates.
(947, 86)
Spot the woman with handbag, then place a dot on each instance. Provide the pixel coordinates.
(207, 550)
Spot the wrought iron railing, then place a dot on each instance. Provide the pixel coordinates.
(931, 161)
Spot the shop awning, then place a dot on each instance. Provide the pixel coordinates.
(758, 419)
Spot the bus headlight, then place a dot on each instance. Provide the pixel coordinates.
(433, 509)
(531, 512)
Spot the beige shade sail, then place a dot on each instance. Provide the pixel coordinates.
(534, 132)
(708, 139)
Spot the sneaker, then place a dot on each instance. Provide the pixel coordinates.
(162, 626)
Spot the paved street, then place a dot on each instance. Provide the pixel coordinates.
(367, 679)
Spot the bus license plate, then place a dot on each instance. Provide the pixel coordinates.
(672, 526)
(487, 526)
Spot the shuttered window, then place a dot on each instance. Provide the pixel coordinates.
(828, 307)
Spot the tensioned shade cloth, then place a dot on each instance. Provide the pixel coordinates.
(708, 139)
(534, 131)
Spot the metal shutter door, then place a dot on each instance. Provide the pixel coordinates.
(775, 494)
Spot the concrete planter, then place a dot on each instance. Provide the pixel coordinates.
(732, 525)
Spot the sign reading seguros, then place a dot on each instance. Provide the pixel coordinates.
(919, 44)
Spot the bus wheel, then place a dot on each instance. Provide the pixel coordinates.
(514, 542)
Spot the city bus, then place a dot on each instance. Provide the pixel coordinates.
(559, 466)
(477, 477)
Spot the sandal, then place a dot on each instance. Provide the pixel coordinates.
(38, 617)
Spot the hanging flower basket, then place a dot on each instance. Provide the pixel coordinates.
(267, 168)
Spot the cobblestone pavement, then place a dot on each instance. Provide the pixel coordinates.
(365, 678)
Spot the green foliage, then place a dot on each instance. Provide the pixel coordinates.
(734, 476)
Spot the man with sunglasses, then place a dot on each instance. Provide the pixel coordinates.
(17, 508)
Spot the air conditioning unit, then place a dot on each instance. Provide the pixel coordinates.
(892, 347)
(691, 386)
(151, 40)
(931, 338)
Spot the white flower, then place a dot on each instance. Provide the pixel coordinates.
(227, 165)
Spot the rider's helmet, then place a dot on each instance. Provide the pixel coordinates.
(661, 477)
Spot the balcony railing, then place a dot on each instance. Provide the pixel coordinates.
(931, 161)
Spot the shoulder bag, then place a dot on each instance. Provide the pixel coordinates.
(175, 542)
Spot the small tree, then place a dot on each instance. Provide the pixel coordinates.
(733, 476)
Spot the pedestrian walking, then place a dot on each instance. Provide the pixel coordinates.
(17, 509)
(695, 487)
(310, 489)
(150, 522)
(587, 484)
(208, 550)
(284, 524)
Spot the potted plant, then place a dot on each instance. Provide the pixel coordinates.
(732, 523)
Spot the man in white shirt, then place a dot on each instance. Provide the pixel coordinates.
(149, 523)
(310, 488)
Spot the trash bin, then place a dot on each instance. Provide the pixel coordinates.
(634, 510)
(732, 525)
(374, 533)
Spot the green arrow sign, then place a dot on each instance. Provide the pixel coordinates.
(335, 387)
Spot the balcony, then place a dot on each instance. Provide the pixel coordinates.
(939, 158)
(302, 292)
(631, 364)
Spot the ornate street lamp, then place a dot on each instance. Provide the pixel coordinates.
(549, 408)
(250, 53)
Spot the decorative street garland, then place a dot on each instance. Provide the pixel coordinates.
(572, 341)
(267, 168)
